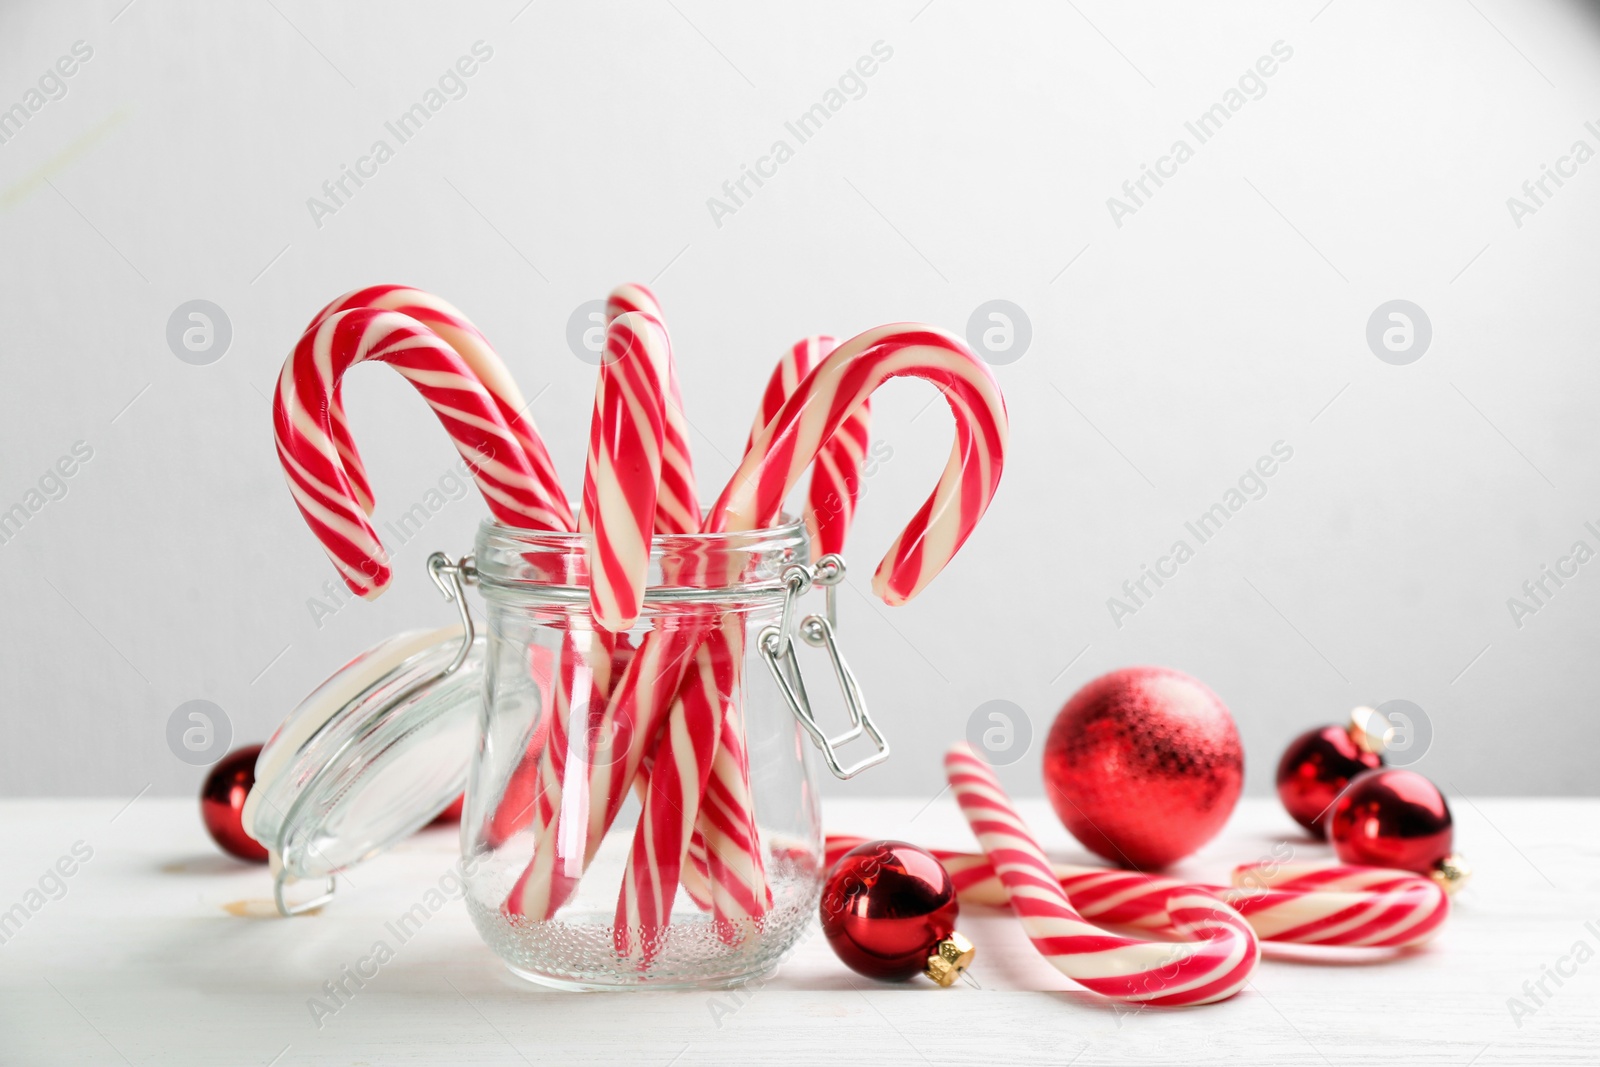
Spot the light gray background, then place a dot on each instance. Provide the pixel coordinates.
(1167, 354)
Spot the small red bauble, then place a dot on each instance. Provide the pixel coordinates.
(222, 803)
(889, 911)
(1144, 766)
(1319, 763)
(1396, 818)
(453, 812)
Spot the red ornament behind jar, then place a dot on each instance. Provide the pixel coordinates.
(1397, 818)
(1144, 766)
(222, 803)
(1319, 763)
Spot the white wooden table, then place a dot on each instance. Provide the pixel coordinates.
(141, 961)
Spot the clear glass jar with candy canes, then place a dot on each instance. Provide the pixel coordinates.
(642, 809)
(641, 806)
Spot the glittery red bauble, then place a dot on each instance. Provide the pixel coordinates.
(1392, 818)
(885, 905)
(1144, 766)
(1315, 768)
(222, 803)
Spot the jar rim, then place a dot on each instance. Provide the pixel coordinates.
(549, 564)
(790, 528)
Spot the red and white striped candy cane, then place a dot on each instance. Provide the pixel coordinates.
(619, 505)
(825, 401)
(678, 502)
(677, 781)
(1212, 966)
(836, 479)
(755, 497)
(728, 815)
(1354, 906)
(624, 468)
(315, 470)
(460, 334)
(1357, 907)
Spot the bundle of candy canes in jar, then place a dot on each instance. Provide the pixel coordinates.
(635, 700)
(631, 698)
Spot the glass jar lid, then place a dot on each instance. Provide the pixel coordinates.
(376, 752)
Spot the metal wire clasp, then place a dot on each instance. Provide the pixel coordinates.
(819, 631)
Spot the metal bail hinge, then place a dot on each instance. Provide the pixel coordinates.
(819, 631)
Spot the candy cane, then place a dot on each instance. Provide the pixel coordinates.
(619, 505)
(1336, 906)
(315, 470)
(1213, 966)
(755, 496)
(727, 850)
(836, 480)
(624, 468)
(460, 334)
(677, 781)
(678, 502)
(825, 400)
(1357, 906)
(809, 420)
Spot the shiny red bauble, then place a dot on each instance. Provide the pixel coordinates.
(1316, 767)
(453, 812)
(222, 803)
(1392, 818)
(1144, 766)
(889, 911)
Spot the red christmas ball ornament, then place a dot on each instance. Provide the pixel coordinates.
(452, 813)
(889, 911)
(222, 803)
(1319, 763)
(1144, 766)
(1396, 818)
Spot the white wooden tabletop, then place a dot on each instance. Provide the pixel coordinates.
(138, 957)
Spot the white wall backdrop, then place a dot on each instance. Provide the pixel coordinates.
(1335, 156)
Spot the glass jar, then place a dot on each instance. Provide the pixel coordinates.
(531, 715)
(557, 711)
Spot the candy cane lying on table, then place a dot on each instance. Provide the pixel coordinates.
(1212, 966)
(456, 330)
(1358, 907)
(315, 469)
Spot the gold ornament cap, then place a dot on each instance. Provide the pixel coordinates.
(950, 958)
(1451, 874)
(1370, 729)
